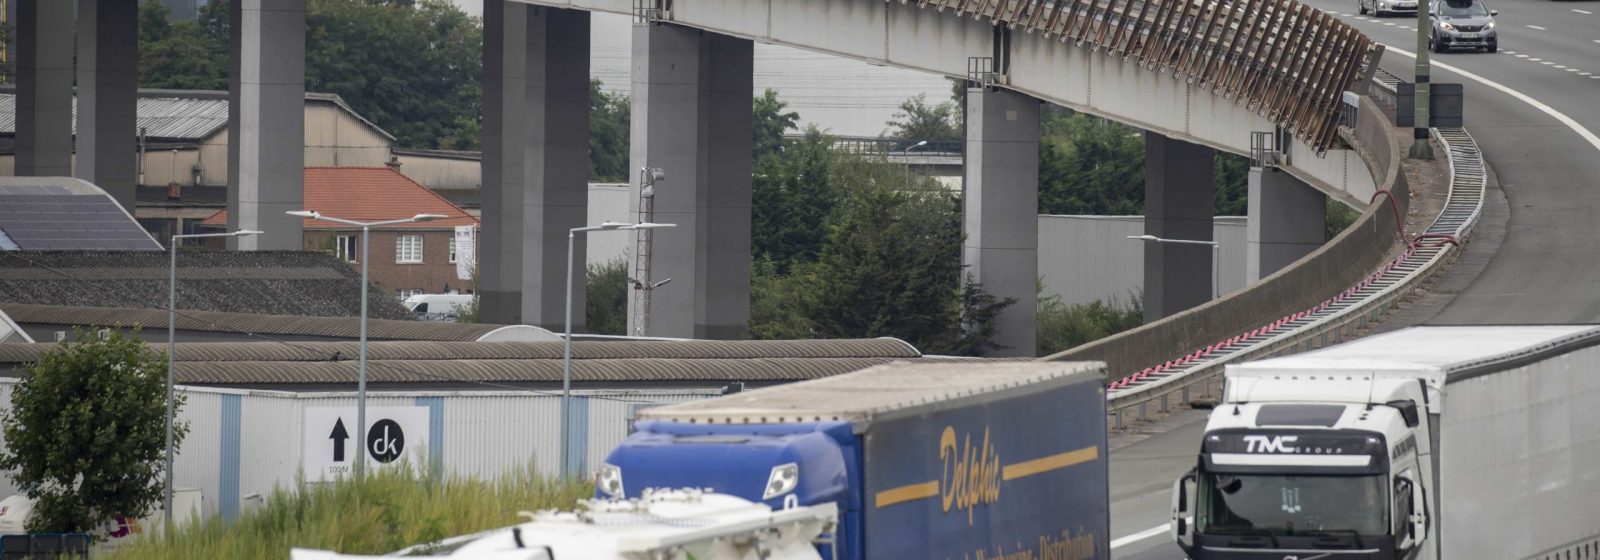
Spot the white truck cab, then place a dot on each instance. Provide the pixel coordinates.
(1308, 463)
(1428, 442)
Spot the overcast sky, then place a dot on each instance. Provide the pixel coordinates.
(848, 97)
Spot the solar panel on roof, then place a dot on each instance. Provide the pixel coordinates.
(71, 214)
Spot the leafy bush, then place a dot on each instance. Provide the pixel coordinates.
(1061, 326)
(606, 301)
(86, 433)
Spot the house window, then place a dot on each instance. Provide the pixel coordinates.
(408, 249)
(408, 293)
(452, 250)
(345, 247)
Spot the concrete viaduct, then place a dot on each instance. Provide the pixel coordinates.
(1256, 77)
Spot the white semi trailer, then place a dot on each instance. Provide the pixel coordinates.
(1430, 442)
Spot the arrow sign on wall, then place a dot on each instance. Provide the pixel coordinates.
(338, 436)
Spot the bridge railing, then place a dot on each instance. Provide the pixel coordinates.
(1281, 58)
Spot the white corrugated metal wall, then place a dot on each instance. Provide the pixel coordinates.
(249, 442)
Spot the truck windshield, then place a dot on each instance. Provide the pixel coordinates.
(1292, 504)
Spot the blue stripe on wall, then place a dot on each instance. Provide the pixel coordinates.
(435, 433)
(578, 434)
(228, 476)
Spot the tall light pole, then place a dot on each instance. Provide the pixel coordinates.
(172, 345)
(1216, 274)
(361, 383)
(907, 160)
(1420, 148)
(566, 354)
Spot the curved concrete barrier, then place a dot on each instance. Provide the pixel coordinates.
(1325, 273)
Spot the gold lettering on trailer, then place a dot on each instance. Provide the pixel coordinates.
(971, 475)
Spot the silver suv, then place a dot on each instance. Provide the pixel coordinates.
(1462, 24)
(1382, 8)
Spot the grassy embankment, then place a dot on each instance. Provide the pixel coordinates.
(390, 510)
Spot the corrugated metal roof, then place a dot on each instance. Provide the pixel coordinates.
(218, 321)
(433, 362)
(882, 392)
(176, 114)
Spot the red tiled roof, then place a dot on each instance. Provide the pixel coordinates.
(369, 194)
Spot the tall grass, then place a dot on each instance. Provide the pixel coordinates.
(390, 510)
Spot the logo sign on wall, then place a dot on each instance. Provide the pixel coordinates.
(332, 439)
(466, 251)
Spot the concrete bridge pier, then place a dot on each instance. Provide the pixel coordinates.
(108, 89)
(691, 118)
(266, 131)
(44, 88)
(535, 171)
(1001, 209)
(1286, 221)
(1179, 204)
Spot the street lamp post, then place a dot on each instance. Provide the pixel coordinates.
(1216, 275)
(566, 354)
(172, 345)
(907, 160)
(361, 383)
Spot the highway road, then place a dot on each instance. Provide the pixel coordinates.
(1537, 131)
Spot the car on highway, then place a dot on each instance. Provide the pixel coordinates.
(1382, 8)
(1462, 24)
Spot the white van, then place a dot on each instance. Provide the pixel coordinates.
(117, 531)
(438, 307)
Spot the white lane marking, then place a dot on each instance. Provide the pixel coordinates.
(1583, 73)
(1547, 62)
(1535, 59)
(1572, 69)
(1141, 535)
(1536, 28)
(1584, 12)
(1523, 97)
(1389, 23)
(1522, 56)
(1559, 66)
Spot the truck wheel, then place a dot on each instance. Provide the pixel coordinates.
(1494, 47)
(1361, 6)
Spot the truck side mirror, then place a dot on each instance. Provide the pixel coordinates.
(1180, 511)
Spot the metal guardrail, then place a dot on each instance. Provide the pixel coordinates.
(1330, 321)
(1283, 59)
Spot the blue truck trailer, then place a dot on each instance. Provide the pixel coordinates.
(955, 460)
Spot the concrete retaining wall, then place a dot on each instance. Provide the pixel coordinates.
(1346, 259)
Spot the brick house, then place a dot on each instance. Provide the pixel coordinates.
(407, 259)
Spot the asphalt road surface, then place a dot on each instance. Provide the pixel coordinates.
(1537, 131)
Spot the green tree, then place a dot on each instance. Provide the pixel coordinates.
(85, 435)
(1230, 176)
(183, 54)
(414, 70)
(917, 120)
(608, 134)
(772, 122)
(1089, 165)
(892, 267)
(794, 197)
(606, 298)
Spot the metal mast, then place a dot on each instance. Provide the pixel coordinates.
(643, 282)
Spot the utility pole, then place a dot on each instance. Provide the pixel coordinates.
(1420, 148)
